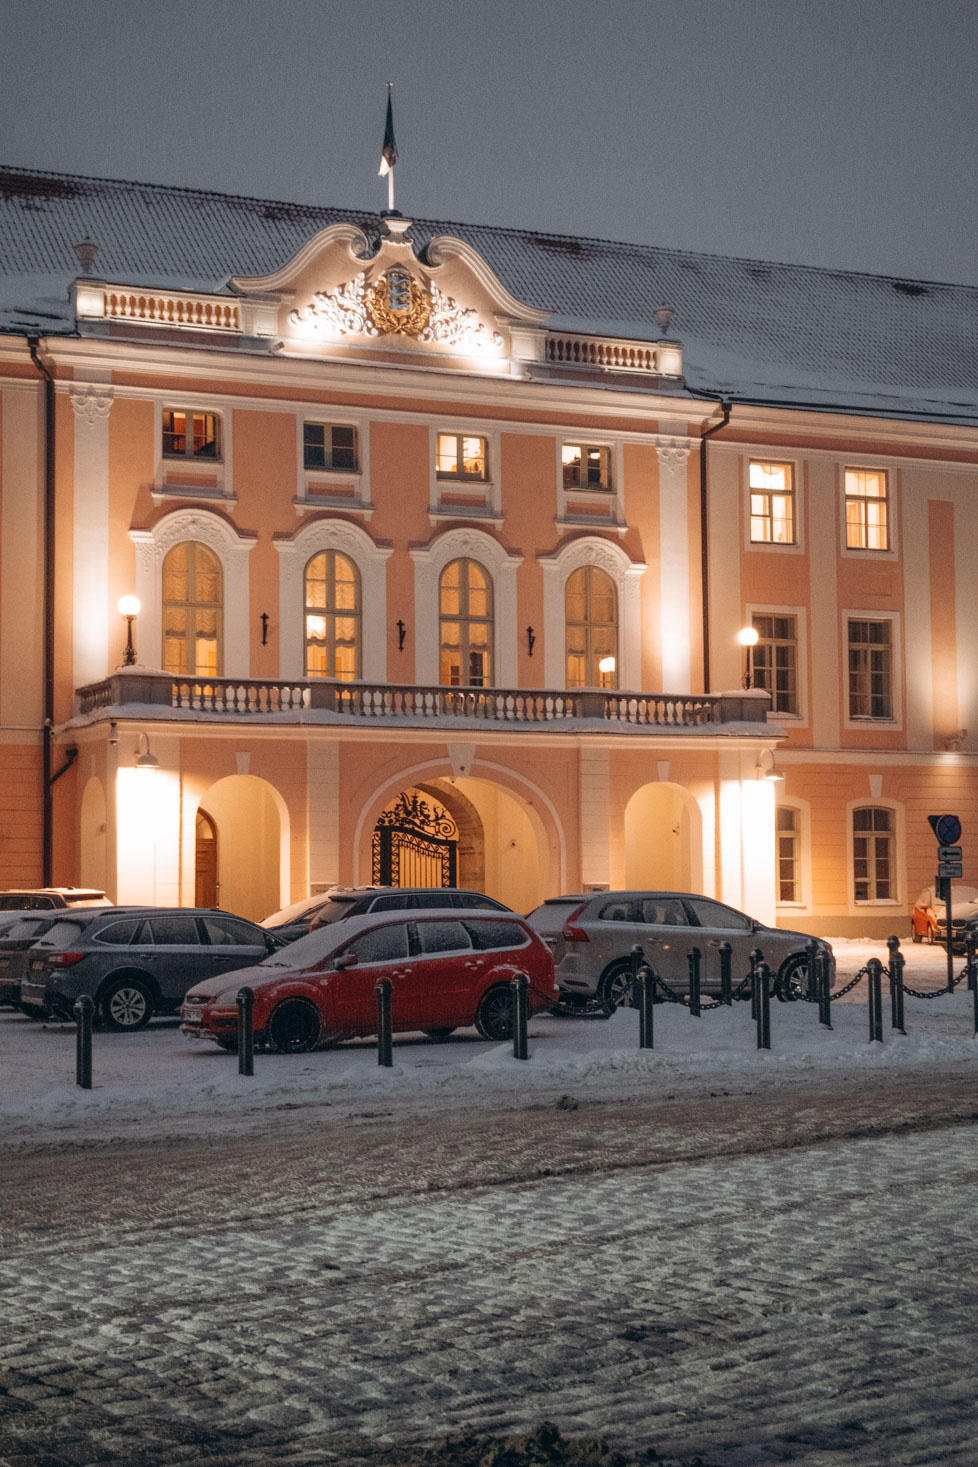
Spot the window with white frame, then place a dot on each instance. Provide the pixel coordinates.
(788, 825)
(462, 456)
(330, 446)
(873, 854)
(586, 466)
(772, 504)
(193, 611)
(867, 518)
(870, 668)
(465, 625)
(191, 435)
(591, 629)
(332, 617)
(775, 659)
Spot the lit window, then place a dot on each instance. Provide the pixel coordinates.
(586, 466)
(332, 617)
(870, 669)
(591, 619)
(193, 611)
(789, 854)
(465, 625)
(461, 457)
(329, 446)
(772, 504)
(872, 854)
(191, 435)
(866, 510)
(775, 661)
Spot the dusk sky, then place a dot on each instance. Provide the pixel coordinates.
(830, 132)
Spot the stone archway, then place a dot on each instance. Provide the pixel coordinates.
(251, 828)
(663, 840)
(471, 848)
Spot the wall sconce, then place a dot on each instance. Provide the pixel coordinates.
(264, 628)
(748, 639)
(147, 761)
(129, 608)
(530, 640)
(771, 772)
(401, 634)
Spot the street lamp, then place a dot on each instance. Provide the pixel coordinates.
(748, 639)
(129, 608)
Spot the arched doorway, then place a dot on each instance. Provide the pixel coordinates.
(250, 845)
(206, 885)
(663, 840)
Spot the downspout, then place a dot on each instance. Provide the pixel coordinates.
(47, 823)
(705, 541)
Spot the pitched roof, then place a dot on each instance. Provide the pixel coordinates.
(751, 329)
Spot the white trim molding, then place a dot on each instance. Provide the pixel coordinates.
(675, 609)
(232, 550)
(369, 559)
(626, 574)
(501, 565)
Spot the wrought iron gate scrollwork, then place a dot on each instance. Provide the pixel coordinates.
(419, 835)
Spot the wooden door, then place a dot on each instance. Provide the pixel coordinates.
(206, 885)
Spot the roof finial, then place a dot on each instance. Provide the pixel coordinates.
(663, 319)
(388, 153)
(86, 250)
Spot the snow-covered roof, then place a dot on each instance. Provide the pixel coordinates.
(751, 329)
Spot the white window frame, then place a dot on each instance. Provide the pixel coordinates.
(607, 503)
(766, 547)
(803, 811)
(891, 476)
(626, 574)
(490, 509)
(317, 488)
(754, 608)
(369, 559)
(169, 470)
(877, 802)
(501, 566)
(895, 721)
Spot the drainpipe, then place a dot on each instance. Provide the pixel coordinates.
(705, 541)
(48, 612)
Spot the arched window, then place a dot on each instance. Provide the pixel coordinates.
(465, 625)
(193, 611)
(591, 622)
(332, 617)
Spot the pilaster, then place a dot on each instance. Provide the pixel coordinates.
(674, 594)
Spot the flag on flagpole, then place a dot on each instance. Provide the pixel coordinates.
(388, 153)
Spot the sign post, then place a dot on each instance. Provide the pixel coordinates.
(947, 828)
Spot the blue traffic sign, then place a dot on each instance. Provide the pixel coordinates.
(947, 828)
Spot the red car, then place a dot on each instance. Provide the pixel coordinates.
(448, 971)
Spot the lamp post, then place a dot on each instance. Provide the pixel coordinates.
(129, 608)
(748, 639)
(606, 667)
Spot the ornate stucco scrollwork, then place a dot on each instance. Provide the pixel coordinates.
(343, 309)
(455, 325)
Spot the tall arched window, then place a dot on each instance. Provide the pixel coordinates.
(332, 617)
(193, 611)
(465, 625)
(591, 621)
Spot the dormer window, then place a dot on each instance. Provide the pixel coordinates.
(330, 446)
(191, 435)
(586, 466)
(461, 456)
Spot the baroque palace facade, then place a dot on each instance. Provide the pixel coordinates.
(442, 537)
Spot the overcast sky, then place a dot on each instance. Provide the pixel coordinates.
(830, 132)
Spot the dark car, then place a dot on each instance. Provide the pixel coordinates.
(43, 898)
(135, 961)
(16, 938)
(340, 902)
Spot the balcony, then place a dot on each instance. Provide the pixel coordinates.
(240, 700)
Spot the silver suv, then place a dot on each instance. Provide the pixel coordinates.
(591, 936)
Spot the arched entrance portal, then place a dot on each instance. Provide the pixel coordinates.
(663, 840)
(205, 864)
(241, 844)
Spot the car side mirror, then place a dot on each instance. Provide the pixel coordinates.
(344, 961)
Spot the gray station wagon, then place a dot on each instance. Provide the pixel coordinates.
(591, 936)
(135, 961)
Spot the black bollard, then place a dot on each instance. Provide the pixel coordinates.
(874, 975)
(646, 1007)
(763, 985)
(726, 987)
(638, 958)
(756, 957)
(84, 1016)
(385, 1048)
(970, 945)
(824, 990)
(811, 984)
(896, 984)
(519, 984)
(694, 958)
(246, 1033)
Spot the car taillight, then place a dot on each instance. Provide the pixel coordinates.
(64, 960)
(572, 933)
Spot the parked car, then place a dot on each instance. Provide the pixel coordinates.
(42, 898)
(16, 938)
(591, 935)
(340, 902)
(448, 969)
(135, 961)
(928, 920)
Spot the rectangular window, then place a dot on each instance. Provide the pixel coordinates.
(461, 456)
(776, 661)
(191, 435)
(872, 855)
(586, 466)
(330, 446)
(789, 856)
(772, 504)
(867, 525)
(870, 669)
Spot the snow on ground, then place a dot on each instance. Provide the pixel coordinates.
(159, 1082)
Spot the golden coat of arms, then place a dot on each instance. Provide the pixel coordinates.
(398, 304)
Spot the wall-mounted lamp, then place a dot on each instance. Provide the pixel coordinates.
(401, 634)
(264, 628)
(147, 761)
(129, 608)
(748, 639)
(530, 641)
(770, 771)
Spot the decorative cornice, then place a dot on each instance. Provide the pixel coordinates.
(91, 403)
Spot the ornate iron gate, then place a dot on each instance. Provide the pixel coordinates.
(415, 844)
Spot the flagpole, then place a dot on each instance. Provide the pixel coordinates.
(388, 154)
(390, 191)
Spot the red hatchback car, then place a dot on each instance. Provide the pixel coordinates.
(447, 971)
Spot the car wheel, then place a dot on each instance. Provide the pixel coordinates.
(494, 1016)
(439, 1033)
(615, 988)
(32, 1011)
(126, 1005)
(915, 935)
(793, 977)
(294, 1028)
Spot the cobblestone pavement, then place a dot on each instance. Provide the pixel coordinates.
(805, 1295)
